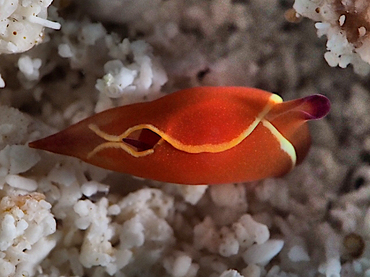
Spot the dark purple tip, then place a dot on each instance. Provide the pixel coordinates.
(317, 107)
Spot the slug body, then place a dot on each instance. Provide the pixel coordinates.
(203, 135)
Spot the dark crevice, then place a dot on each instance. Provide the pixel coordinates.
(142, 140)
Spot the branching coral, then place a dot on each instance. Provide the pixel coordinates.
(347, 26)
(22, 23)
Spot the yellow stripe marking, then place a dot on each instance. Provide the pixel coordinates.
(116, 141)
(285, 144)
